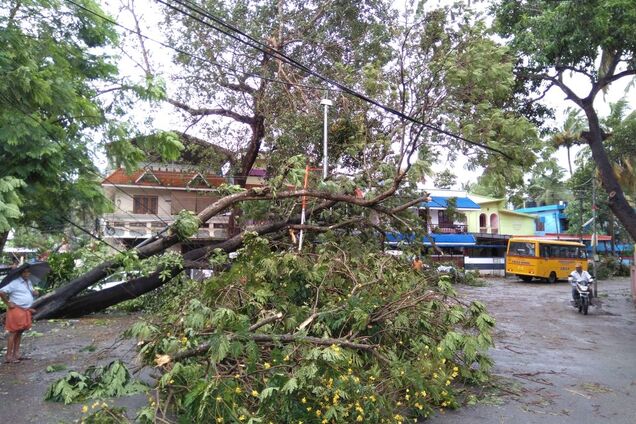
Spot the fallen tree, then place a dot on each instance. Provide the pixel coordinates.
(336, 335)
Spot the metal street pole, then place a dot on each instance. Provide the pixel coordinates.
(581, 215)
(594, 240)
(325, 152)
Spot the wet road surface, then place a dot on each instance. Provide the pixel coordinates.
(76, 344)
(552, 364)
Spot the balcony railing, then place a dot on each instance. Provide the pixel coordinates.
(448, 228)
(144, 226)
(488, 230)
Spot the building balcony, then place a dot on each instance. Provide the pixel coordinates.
(447, 228)
(488, 230)
(132, 226)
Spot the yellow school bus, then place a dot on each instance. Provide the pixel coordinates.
(550, 260)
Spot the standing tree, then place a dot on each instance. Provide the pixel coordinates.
(594, 41)
(570, 134)
(47, 108)
(446, 73)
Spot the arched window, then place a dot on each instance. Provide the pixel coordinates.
(494, 223)
(482, 223)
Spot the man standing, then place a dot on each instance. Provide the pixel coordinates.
(18, 295)
(578, 276)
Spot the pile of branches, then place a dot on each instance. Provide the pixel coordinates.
(341, 334)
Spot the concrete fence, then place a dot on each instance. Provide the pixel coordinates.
(486, 266)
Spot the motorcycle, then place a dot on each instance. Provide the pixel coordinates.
(584, 290)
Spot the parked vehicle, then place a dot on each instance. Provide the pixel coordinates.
(550, 260)
(583, 299)
(115, 279)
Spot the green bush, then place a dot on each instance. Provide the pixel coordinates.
(332, 336)
(609, 266)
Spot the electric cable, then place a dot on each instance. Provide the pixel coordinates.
(256, 44)
(200, 58)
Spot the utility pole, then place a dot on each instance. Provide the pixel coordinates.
(594, 240)
(325, 152)
(581, 216)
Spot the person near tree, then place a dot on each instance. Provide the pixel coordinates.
(417, 264)
(18, 295)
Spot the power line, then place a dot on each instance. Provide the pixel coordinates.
(258, 45)
(86, 169)
(200, 58)
(82, 229)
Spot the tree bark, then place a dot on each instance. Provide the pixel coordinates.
(47, 304)
(131, 289)
(616, 198)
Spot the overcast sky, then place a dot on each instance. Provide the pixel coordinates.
(167, 118)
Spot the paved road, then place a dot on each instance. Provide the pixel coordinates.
(554, 365)
(73, 343)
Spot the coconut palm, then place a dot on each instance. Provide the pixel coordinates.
(570, 133)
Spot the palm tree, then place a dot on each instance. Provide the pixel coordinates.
(570, 133)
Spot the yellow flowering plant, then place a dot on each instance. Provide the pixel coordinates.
(317, 337)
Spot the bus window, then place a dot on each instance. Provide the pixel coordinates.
(518, 248)
(544, 250)
(582, 253)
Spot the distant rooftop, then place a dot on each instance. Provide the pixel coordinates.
(545, 208)
(441, 202)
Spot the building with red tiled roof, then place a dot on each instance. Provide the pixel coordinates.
(148, 199)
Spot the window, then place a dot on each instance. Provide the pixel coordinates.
(145, 204)
(518, 248)
(443, 218)
(539, 224)
(558, 251)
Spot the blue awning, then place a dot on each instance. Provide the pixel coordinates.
(441, 240)
(439, 202)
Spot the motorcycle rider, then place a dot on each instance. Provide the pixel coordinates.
(577, 276)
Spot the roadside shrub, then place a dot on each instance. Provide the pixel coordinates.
(471, 278)
(334, 336)
(609, 266)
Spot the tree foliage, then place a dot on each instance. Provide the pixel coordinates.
(595, 41)
(341, 335)
(49, 65)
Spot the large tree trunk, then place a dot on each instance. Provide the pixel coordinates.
(616, 198)
(46, 305)
(103, 299)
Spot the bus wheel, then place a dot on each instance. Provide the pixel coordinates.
(525, 278)
(552, 278)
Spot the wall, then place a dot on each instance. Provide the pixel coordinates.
(516, 225)
(124, 201)
(487, 208)
(486, 266)
(551, 221)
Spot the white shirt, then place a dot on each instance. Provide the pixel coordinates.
(579, 277)
(20, 292)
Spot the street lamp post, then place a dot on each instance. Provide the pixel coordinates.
(325, 158)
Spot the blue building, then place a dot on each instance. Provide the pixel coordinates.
(549, 219)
